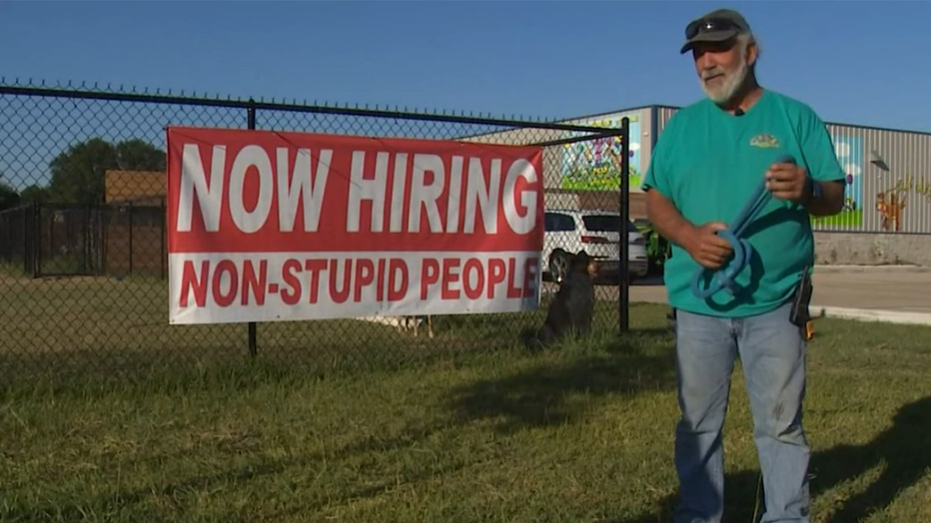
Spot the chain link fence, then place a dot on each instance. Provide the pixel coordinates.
(83, 246)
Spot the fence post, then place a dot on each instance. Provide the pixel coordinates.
(8, 244)
(86, 241)
(27, 255)
(96, 219)
(130, 238)
(37, 241)
(69, 242)
(161, 252)
(253, 333)
(623, 298)
(51, 239)
(106, 218)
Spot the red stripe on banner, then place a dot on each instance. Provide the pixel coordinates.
(262, 191)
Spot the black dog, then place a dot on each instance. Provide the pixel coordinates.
(570, 312)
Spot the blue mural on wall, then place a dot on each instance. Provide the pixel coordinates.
(849, 151)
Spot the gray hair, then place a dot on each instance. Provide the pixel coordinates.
(744, 41)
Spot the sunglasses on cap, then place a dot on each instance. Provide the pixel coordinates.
(710, 25)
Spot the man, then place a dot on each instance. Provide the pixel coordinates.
(707, 163)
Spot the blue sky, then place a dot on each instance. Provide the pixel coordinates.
(854, 62)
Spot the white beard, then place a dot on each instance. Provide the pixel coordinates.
(728, 87)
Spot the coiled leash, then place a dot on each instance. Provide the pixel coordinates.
(724, 277)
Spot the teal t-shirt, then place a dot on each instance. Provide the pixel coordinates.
(708, 163)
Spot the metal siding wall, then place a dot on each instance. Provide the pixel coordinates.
(908, 156)
(663, 114)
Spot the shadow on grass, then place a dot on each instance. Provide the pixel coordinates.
(262, 467)
(537, 397)
(549, 394)
(561, 389)
(901, 450)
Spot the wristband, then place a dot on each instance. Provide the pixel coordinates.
(814, 190)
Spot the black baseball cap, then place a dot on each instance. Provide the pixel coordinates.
(717, 26)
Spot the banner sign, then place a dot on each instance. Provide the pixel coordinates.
(266, 226)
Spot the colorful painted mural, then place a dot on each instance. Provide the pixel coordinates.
(596, 164)
(889, 205)
(892, 202)
(849, 151)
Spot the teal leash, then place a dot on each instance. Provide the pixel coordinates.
(724, 277)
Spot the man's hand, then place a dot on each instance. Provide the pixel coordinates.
(788, 181)
(706, 247)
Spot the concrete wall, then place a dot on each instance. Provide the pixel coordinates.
(838, 248)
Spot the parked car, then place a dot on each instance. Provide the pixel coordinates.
(597, 233)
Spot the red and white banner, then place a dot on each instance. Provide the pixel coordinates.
(266, 226)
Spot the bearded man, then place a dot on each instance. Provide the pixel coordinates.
(708, 162)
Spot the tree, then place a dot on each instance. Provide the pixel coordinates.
(78, 173)
(34, 193)
(9, 198)
(138, 155)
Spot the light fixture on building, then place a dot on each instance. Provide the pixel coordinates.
(877, 160)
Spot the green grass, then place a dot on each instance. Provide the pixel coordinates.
(12, 269)
(581, 432)
(105, 328)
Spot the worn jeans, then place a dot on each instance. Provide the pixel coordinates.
(772, 352)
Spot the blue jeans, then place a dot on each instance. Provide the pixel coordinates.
(772, 352)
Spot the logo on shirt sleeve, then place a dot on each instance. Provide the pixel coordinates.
(764, 140)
